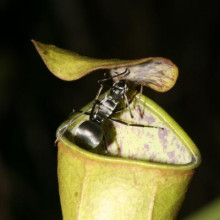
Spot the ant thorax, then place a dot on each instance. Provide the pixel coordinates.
(104, 109)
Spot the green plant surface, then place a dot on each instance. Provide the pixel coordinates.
(209, 212)
(146, 172)
(128, 183)
(68, 65)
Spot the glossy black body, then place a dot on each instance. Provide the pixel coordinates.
(90, 132)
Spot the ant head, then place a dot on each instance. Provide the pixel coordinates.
(118, 90)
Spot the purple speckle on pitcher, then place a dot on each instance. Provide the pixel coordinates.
(171, 155)
(162, 134)
(147, 147)
(152, 156)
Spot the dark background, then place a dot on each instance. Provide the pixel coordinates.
(34, 102)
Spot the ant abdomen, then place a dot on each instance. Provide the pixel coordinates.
(89, 134)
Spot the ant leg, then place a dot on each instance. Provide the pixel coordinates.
(96, 100)
(134, 125)
(105, 145)
(141, 91)
(128, 105)
(80, 111)
(102, 82)
(99, 91)
(139, 97)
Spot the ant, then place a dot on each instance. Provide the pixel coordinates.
(90, 132)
